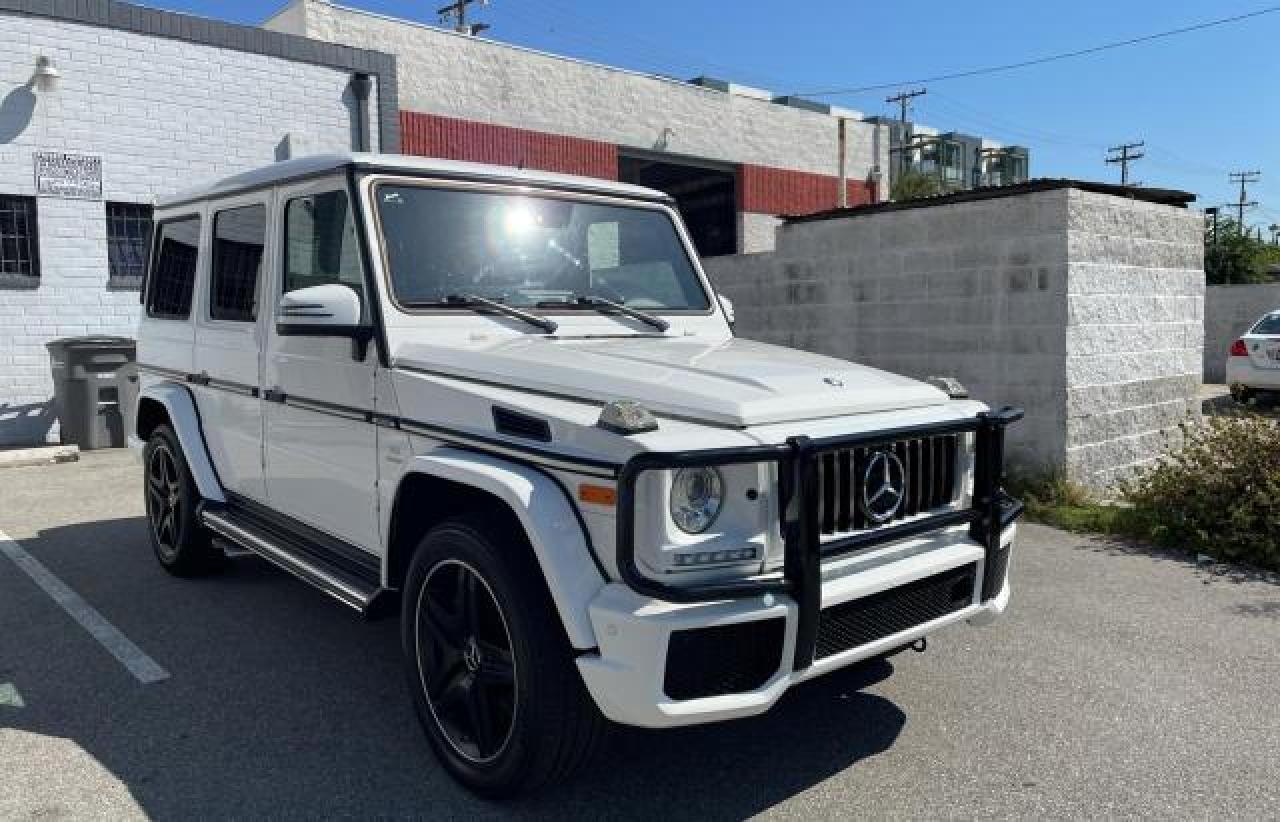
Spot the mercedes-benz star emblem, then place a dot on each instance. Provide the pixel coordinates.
(883, 484)
(471, 655)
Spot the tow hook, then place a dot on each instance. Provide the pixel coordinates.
(920, 645)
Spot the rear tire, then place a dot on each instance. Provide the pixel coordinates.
(1241, 394)
(183, 547)
(489, 665)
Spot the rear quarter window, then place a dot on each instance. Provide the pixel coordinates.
(173, 272)
(1269, 324)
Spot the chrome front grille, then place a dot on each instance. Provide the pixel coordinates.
(930, 481)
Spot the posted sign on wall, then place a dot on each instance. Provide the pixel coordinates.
(77, 176)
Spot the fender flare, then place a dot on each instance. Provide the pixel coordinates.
(549, 520)
(184, 418)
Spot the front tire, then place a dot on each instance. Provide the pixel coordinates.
(183, 547)
(489, 666)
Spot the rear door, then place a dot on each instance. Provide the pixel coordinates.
(229, 342)
(321, 447)
(165, 334)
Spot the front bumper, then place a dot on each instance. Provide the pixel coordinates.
(832, 603)
(629, 678)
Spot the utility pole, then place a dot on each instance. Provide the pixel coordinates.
(1125, 154)
(1243, 178)
(903, 99)
(457, 12)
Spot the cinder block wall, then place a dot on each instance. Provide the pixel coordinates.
(164, 115)
(1135, 331)
(1229, 311)
(1043, 300)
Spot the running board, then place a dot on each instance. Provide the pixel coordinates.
(343, 586)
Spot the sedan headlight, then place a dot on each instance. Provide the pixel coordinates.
(697, 495)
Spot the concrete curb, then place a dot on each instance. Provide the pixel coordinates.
(48, 455)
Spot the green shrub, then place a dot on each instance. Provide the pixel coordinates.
(1218, 494)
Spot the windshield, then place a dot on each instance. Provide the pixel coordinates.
(526, 250)
(1269, 324)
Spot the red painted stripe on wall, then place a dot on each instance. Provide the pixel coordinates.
(766, 190)
(433, 135)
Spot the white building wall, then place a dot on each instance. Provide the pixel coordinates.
(445, 73)
(164, 115)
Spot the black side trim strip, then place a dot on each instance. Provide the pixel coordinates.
(317, 544)
(464, 439)
(160, 371)
(195, 406)
(478, 442)
(577, 514)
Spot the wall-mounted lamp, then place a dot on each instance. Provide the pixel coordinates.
(46, 77)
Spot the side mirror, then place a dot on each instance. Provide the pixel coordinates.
(727, 306)
(324, 311)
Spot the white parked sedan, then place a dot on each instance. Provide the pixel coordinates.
(1253, 366)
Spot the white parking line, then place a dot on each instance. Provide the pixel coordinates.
(143, 667)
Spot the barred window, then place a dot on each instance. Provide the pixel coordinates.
(19, 249)
(128, 237)
(173, 274)
(238, 238)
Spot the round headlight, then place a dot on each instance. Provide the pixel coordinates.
(697, 495)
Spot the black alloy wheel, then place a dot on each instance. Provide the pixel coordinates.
(183, 546)
(465, 661)
(490, 668)
(164, 500)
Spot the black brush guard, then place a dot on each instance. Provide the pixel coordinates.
(801, 577)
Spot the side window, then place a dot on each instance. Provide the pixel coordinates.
(173, 274)
(238, 238)
(321, 246)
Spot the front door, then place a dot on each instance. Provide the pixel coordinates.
(321, 449)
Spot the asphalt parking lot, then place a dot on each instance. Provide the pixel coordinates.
(1121, 683)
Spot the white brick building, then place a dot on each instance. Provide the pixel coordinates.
(162, 101)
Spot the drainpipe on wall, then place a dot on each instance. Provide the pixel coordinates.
(361, 85)
(842, 197)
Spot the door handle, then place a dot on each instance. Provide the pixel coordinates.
(274, 395)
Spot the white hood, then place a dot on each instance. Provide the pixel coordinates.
(728, 382)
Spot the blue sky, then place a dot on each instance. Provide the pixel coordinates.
(1204, 102)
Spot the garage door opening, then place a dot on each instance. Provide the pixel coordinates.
(704, 194)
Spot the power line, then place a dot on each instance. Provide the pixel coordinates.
(956, 75)
(1125, 154)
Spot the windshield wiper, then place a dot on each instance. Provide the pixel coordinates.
(609, 306)
(472, 301)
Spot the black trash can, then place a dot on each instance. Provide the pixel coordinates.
(95, 383)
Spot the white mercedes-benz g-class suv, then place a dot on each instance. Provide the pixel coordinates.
(508, 406)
